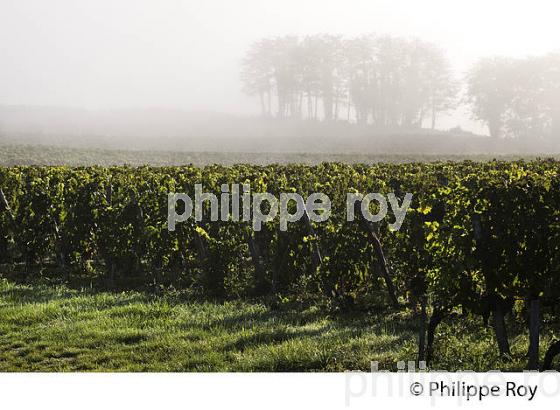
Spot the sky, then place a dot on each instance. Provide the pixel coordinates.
(185, 54)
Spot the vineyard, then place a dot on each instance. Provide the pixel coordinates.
(480, 242)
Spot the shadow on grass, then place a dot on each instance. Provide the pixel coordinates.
(271, 337)
(244, 335)
(272, 317)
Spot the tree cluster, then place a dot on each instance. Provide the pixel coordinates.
(517, 98)
(392, 82)
(385, 81)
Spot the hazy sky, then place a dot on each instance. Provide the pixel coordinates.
(186, 53)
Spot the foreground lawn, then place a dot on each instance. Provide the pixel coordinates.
(53, 328)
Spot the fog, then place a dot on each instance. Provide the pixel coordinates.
(145, 74)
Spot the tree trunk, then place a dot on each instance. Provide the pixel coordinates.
(256, 258)
(422, 332)
(317, 259)
(281, 250)
(316, 105)
(4, 206)
(327, 104)
(534, 327)
(495, 128)
(500, 330)
(202, 252)
(437, 316)
(263, 109)
(551, 353)
(384, 269)
(111, 276)
(371, 232)
(335, 115)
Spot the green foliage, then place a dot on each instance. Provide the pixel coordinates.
(111, 223)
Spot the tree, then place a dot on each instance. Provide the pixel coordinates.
(389, 81)
(534, 111)
(517, 98)
(257, 73)
(359, 72)
(442, 88)
(490, 92)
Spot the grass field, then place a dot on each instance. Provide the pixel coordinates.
(53, 328)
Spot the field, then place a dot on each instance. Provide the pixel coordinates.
(95, 280)
(13, 155)
(47, 327)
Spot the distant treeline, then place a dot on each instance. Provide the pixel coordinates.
(392, 82)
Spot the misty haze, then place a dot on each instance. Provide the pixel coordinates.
(316, 77)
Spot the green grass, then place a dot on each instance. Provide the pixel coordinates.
(53, 328)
